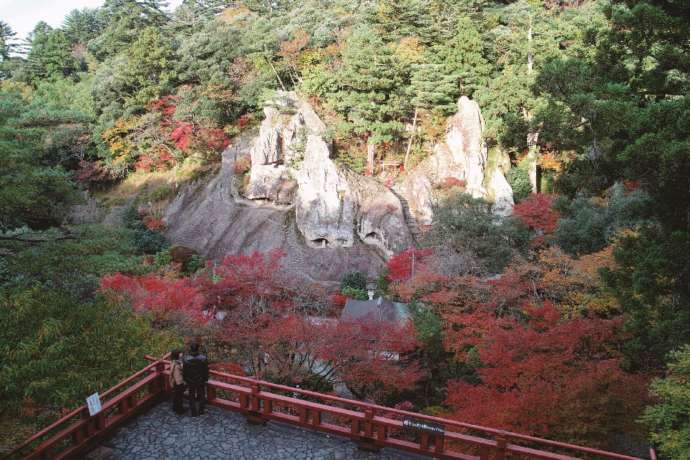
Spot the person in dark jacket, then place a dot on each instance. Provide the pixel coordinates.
(176, 381)
(195, 374)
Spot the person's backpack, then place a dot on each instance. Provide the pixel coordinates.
(195, 369)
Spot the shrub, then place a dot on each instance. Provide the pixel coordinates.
(669, 420)
(589, 225)
(154, 224)
(536, 213)
(242, 165)
(149, 242)
(466, 225)
(354, 293)
(162, 193)
(355, 280)
(518, 178)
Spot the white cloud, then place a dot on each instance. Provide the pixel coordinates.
(23, 15)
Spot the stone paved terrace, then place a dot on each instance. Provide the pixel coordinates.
(220, 434)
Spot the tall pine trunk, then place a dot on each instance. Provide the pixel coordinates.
(371, 156)
(532, 135)
(409, 143)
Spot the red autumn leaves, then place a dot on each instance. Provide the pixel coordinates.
(279, 332)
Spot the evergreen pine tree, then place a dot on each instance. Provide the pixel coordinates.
(50, 54)
(370, 86)
(126, 19)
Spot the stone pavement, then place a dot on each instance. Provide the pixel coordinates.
(220, 434)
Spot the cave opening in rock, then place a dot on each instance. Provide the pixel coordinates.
(372, 236)
(322, 242)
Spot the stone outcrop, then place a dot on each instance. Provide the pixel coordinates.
(279, 147)
(460, 159)
(325, 206)
(207, 217)
(380, 219)
(329, 221)
(466, 145)
(501, 193)
(332, 208)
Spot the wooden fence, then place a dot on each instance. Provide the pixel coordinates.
(371, 426)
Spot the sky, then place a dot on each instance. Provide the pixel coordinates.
(23, 15)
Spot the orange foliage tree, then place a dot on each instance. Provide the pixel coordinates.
(249, 305)
(546, 376)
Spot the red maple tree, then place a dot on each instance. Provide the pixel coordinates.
(544, 375)
(401, 266)
(165, 299)
(537, 213)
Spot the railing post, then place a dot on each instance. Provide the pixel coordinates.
(210, 392)
(88, 424)
(484, 453)
(100, 421)
(367, 441)
(302, 412)
(267, 407)
(439, 443)
(161, 383)
(82, 433)
(368, 425)
(253, 415)
(424, 441)
(255, 398)
(501, 447)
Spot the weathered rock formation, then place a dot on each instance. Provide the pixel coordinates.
(333, 208)
(208, 217)
(329, 221)
(460, 158)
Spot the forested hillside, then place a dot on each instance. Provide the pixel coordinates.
(569, 318)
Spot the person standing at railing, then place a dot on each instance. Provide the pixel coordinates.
(177, 382)
(195, 374)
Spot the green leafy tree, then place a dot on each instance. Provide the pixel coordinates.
(83, 25)
(465, 229)
(588, 225)
(356, 280)
(7, 41)
(125, 20)
(59, 349)
(32, 193)
(50, 54)
(369, 88)
(432, 88)
(462, 58)
(669, 420)
(127, 82)
(72, 262)
(433, 21)
(193, 13)
(620, 101)
(8, 46)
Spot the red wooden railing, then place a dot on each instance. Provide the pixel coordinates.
(371, 426)
(75, 431)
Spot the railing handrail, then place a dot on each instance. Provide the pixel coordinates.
(81, 409)
(253, 397)
(430, 418)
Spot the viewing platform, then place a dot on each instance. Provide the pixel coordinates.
(222, 435)
(255, 419)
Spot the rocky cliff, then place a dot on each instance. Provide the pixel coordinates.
(461, 158)
(329, 221)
